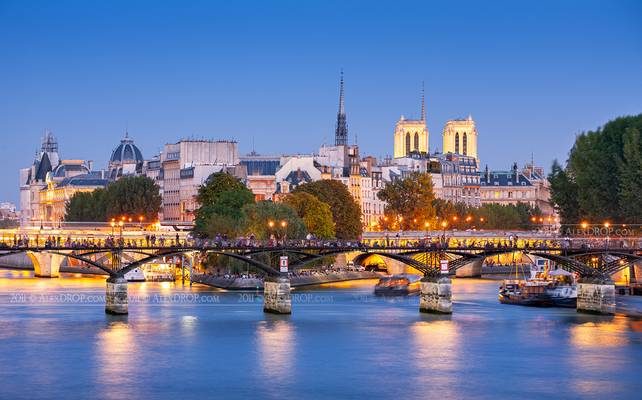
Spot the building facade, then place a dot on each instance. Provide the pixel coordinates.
(411, 135)
(528, 185)
(460, 137)
(184, 167)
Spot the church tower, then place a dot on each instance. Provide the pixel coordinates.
(411, 135)
(341, 132)
(460, 137)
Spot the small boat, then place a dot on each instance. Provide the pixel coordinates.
(397, 285)
(553, 289)
(135, 275)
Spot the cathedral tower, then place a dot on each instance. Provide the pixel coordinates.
(411, 135)
(460, 137)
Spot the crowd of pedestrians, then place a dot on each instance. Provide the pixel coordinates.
(250, 242)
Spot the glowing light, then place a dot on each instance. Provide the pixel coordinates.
(584, 225)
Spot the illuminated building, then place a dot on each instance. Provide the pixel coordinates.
(460, 137)
(411, 135)
(185, 166)
(528, 185)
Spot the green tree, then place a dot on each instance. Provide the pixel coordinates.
(316, 214)
(132, 196)
(259, 215)
(221, 200)
(602, 173)
(216, 184)
(80, 207)
(410, 201)
(630, 185)
(346, 213)
(564, 194)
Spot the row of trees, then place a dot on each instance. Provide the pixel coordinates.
(324, 208)
(134, 196)
(602, 178)
(412, 205)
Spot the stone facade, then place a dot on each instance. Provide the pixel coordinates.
(410, 136)
(276, 295)
(436, 295)
(116, 301)
(184, 168)
(460, 137)
(596, 297)
(528, 185)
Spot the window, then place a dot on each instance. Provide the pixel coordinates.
(457, 142)
(407, 143)
(416, 141)
(465, 143)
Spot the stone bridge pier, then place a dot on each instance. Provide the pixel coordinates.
(116, 295)
(596, 296)
(276, 295)
(46, 265)
(436, 295)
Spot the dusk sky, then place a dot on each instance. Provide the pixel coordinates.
(532, 74)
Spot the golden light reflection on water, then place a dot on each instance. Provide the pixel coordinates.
(593, 343)
(600, 334)
(276, 346)
(436, 351)
(116, 353)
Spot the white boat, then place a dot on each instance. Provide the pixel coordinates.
(135, 275)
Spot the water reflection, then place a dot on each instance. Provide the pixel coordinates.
(276, 348)
(437, 354)
(592, 344)
(116, 355)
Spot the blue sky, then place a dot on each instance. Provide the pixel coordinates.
(531, 73)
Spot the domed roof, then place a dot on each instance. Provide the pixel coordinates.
(65, 170)
(126, 152)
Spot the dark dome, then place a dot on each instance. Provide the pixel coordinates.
(62, 170)
(126, 152)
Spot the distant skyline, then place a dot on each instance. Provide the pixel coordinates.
(532, 74)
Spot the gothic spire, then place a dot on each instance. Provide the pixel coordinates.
(341, 132)
(423, 103)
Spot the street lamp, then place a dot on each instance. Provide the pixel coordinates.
(120, 225)
(584, 225)
(113, 224)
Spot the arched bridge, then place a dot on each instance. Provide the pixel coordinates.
(598, 263)
(594, 266)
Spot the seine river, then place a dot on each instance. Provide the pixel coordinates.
(340, 342)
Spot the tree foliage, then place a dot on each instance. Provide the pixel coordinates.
(221, 200)
(346, 213)
(603, 176)
(316, 215)
(410, 201)
(259, 215)
(411, 205)
(132, 196)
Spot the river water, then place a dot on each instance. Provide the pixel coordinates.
(340, 342)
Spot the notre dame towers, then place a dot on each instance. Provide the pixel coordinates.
(460, 137)
(411, 135)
